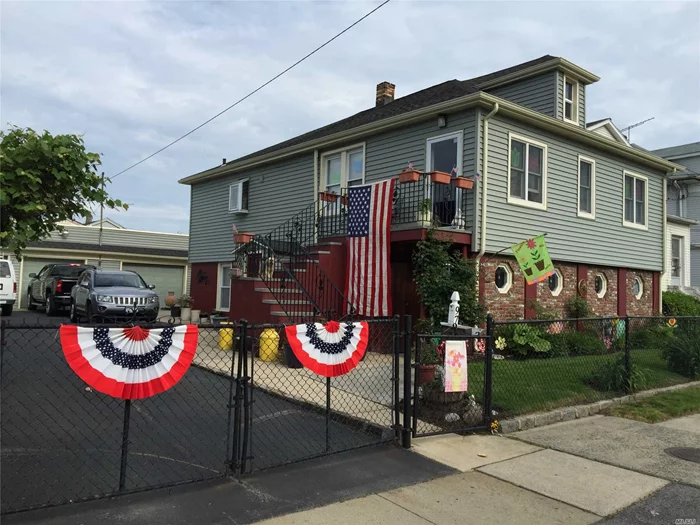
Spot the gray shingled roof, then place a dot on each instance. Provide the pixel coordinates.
(420, 99)
(136, 250)
(674, 151)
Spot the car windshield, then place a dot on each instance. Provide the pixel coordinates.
(69, 270)
(5, 269)
(130, 280)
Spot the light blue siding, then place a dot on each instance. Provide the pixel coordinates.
(603, 241)
(538, 93)
(276, 192)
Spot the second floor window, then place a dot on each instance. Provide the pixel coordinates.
(238, 197)
(528, 172)
(586, 187)
(343, 169)
(571, 100)
(635, 201)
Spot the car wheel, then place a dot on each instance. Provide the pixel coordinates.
(49, 307)
(6, 310)
(73, 313)
(30, 304)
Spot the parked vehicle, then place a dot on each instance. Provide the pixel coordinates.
(8, 287)
(113, 295)
(51, 288)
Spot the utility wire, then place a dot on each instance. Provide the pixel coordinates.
(254, 91)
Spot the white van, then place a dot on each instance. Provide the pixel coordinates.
(8, 287)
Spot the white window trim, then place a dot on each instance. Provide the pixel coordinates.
(459, 135)
(605, 285)
(626, 223)
(584, 214)
(509, 279)
(218, 287)
(238, 183)
(560, 284)
(641, 288)
(574, 101)
(343, 152)
(523, 202)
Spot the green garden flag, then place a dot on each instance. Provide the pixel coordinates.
(534, 260)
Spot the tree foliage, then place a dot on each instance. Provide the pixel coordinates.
(45, 179)
(439, 270)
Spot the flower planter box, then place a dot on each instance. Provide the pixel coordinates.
(242, 238)
(426, 373)
(327, 196)
(408, 176)
(440, 177)
(464, 183)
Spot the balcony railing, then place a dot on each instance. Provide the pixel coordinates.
(422, 204)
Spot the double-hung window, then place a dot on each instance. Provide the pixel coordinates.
(570, 100)
(238, 197)
(527, 178)
(223, 299)
(586, 187)
(342, 169)
(635, 200)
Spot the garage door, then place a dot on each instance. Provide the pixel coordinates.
(165, 278)
(34, 265)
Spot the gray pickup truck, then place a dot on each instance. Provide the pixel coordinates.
(51, 287)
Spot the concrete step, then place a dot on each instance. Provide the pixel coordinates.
(278, 290)
(284, 302)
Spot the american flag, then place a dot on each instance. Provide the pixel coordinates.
(368, 283)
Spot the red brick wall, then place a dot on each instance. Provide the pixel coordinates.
(644, 305)
(510, 305)
(556, 303)
(203, 291)
(606, 305)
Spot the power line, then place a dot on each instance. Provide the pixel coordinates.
(254, 91)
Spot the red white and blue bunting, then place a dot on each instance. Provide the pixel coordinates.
(129, 363)
(329, 350)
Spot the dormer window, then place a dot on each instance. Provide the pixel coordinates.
(570, 100)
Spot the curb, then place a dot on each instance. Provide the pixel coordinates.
(541, 419)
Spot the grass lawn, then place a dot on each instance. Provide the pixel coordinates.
(660, 407)
(533, 385)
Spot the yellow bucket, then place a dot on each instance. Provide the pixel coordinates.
(270, 345)
(226, 337)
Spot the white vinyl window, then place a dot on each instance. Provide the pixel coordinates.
(503, 278)
(555, 283)
(601, 285)
(527, 178)
(570, 100)
(635, 200)
(676, 260)
(638, 287)
(223, 292)
(238, 197)
(444, 153)
(343, 169)
(586, 187)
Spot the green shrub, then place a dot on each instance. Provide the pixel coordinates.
(680, 304)
(576, 343)
(524, 340)
(578, 308)
(541, 312)
(683, 355)
(612, 376)
(652, 337)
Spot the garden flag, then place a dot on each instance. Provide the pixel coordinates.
(533, 257)
(129, 363)
(329, 350)
(368, 279)
(456, 377)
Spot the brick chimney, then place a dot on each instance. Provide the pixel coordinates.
(385, 93)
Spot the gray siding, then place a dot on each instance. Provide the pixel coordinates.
(581, 100)
(695, 266)
(691, 162)
(116, 237)
(538, 93)
(388, 153)
(672, 203)
(276, 192)
(603, 241)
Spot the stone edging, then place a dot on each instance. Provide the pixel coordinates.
(540, 419)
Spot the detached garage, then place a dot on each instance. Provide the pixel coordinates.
(165, 278)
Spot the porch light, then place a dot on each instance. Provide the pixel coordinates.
(442, 121)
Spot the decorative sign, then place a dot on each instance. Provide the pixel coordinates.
(129, 363)
(456, 378)
(329, 350)
(534, 259)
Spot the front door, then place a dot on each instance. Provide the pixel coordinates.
(444, 153)
(676, 260)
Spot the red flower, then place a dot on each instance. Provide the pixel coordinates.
(531, 244)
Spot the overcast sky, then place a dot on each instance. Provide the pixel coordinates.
(132, 76)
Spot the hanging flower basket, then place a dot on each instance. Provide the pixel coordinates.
(407, 176)
(242, 238)
(440, 177)
(464, 183)
(327, 196)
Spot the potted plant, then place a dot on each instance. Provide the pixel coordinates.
(329, 196)
(409, 175)
(241, 237)
(440, 177)
(186, 302)
(464, 183)
(170, 299)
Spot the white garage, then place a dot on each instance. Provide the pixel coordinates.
(165, 278)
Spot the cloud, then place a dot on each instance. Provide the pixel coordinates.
(133, 76)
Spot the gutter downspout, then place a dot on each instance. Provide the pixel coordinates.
(664, 241)
(484, 184)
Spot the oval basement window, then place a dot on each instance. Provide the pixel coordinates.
(503, 278)
(556, 283)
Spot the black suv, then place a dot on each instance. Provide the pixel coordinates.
(51, 288)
